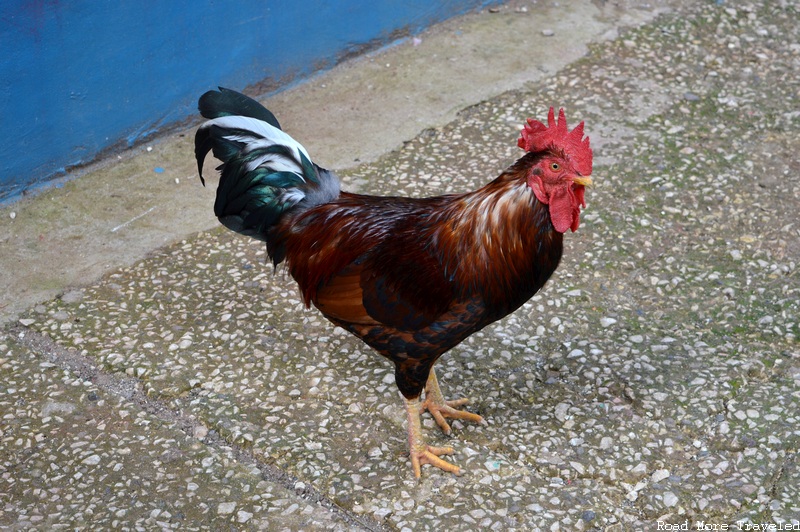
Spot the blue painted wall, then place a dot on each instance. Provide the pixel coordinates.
(79, 76)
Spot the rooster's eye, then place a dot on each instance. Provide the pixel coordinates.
(555, 167)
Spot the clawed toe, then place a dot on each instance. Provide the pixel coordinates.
(439, 408)
(430, 455)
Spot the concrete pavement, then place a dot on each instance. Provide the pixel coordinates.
(154, 376)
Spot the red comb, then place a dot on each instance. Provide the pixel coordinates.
(536, 137)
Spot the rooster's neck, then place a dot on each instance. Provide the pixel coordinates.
(499, 240)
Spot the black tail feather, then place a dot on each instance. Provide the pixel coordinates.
(265, 173)
(226, 102)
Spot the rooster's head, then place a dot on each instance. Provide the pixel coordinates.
(561, 173)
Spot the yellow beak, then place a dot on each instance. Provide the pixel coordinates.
(581, 180)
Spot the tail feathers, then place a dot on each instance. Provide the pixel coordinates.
(225, 102)
(264, 173)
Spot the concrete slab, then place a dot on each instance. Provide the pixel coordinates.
(655, 379)
(89, 450)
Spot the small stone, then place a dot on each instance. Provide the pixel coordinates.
(561, 411)
(243, 517)
(640, 469)
(200, 431)
(226, 508)
(659, 475)
(61, 315)
(548, 32)
(92, 460)
(607, 322)
(670, 499)
(575, 353)
(749, 489)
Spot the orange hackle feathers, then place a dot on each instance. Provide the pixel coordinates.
(536, 137)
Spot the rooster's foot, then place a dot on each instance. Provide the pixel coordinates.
(440, 408)
(420, 452)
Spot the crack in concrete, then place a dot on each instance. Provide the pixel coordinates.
(131, 389)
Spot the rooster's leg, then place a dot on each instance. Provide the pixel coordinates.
(439, 408)
(421, 452)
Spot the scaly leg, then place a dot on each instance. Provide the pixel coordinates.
(421, 452)
(439, 408)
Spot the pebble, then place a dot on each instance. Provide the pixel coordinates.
(607, 322)
(575, 353)
(560, 411)
(659, 475)
(670, 499)
(225, 508)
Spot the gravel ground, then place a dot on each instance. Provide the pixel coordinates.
(655, 378)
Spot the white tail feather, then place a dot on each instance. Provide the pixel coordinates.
(278, 163)
(261, 129)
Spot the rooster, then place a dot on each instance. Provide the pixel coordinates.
(411, 277)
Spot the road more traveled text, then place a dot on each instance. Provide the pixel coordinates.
(735, 527)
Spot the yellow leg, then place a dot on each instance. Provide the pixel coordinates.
(439, 408)
(422, 453)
